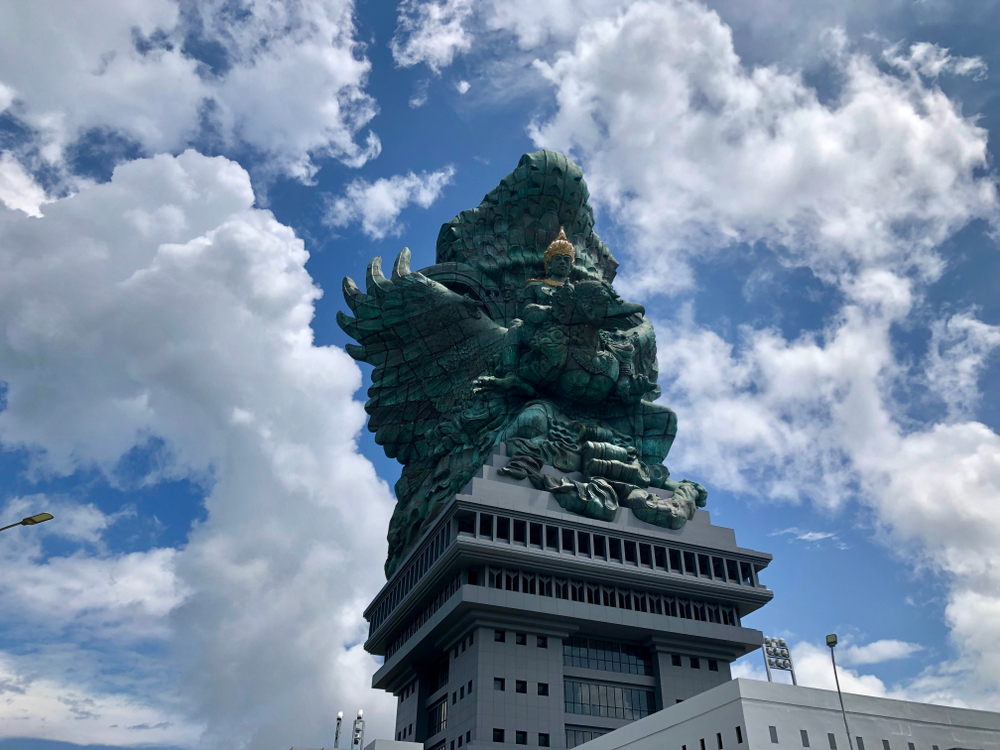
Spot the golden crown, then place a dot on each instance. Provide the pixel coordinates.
(559, 246)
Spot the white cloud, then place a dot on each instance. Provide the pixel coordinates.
(805, 536)
(878, 651)
(700, 153)
(463, 87)
(956, 358)
(431, 33)
(287, 83)
(931, 60)
(161, 304)
(18, 190)
(377, 205)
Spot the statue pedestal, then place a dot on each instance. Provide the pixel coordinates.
(515, 622)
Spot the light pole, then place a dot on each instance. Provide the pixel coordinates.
(831, 641)
(29, 521)
(778, 656)
(358, 740)
(336, 737)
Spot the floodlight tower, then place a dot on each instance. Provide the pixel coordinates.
(358, 740)
(778, 656)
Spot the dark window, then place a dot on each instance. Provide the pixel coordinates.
(568, 544)
(520, 686)
(583, 542)
(543, 688)
(598, 545)
(739, 735)
(910, 746)
(703, 568)
(713, 665)
(503, 528)
(675, 659)
(675, 560)
(702, 743)
(461, 692)
(485, 525)
(660, 555)
(498, 683)
(746, 573)
(470, 638)
(933, 747)
(520, 639)
(718, 568)
(733, 570)
(470, 687)
(832, 738)
(630, 553)
(543, 739)
(437, 717)
(521, 738)
(885, 745)
(456, 652)
(536, 534)
(520, 531)
(615, 549)
(468, 735)
(607, 700)
(474, 576)
(774, 734)
(695, 662)
(499, 636)
(805, 737)
(689, 564)
(453, 745)
(466, 522)
(463, 645)
(718, 739)
(542, 641)
(399, 735)
(861, 744)
(646, 555)
(552, 538)
(498, 735)
(454, 698)
(459, 740)
(439, 675)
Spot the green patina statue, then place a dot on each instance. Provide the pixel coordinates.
(516, 336)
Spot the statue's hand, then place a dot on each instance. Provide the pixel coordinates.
(486, 383)
(692, 491)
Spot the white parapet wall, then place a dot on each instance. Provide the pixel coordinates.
(754, 715)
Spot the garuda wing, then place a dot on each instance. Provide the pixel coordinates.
(427, 345)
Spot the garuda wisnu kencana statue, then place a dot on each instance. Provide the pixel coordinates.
(516, 336)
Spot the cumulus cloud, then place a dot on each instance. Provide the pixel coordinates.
(701, 153)
(281, 78)
(957, 355)
(377, 205)
(878, 651)
(931, 61)
(431, 33)
(161, 304)
(18, 190)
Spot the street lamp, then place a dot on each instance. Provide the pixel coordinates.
(29, 521)
(831, 641)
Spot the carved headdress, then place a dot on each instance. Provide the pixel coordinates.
(559, 246)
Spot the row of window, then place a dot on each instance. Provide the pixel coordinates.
(424, 615)
(576, 737)
(718, 739)
(412, 575)
(604, 547)
(520, 639)
(831, 739)
(443, 743)
(521, 738)
(603, 595)
(520, 686)
(607, 655)
(612, 701)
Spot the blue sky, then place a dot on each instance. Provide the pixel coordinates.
(802, 194)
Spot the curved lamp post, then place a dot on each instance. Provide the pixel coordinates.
(831, 641)
(30, 521)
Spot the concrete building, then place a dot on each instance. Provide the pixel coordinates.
(513, 622)
(755, 715)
